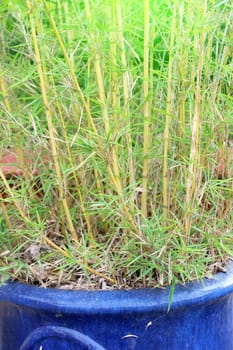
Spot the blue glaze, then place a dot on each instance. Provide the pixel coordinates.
(51, 336)
(201, 317)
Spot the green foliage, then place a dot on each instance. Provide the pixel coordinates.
(75, 114)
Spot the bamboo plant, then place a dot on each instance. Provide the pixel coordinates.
(116, 142)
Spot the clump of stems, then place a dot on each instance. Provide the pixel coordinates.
(119, 117)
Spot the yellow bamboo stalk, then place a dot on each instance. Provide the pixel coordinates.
(72, 73)
(114, 74)
(3, 88)
(91, 122)
(151, 111)
(102, 97)
(99, 274)
(146, 107)
(166, 135)
(49, 117)
(71, 162)
(126, 109)
(182, 71)
(126, 79)
(152, 35)
(99, 78)
(194, 150)
(126, 94)
(113, 87)
(115, 180)
(98, 184)
(69, 32)
(210, 42)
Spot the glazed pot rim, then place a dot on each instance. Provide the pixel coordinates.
(118, 301)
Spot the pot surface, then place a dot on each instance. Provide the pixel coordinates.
(201, 317)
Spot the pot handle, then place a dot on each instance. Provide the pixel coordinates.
(49, 337)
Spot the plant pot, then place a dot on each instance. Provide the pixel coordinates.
(200, 317)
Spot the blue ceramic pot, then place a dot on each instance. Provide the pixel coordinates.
(201, 317)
